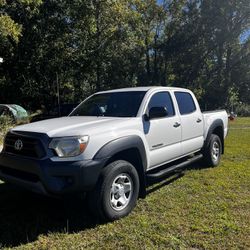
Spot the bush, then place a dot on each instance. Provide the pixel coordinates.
(5, 124)
(242, 110)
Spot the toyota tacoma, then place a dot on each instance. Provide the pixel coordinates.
(112, 145)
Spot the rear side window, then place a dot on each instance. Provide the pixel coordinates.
(162, 99)
(185, 102)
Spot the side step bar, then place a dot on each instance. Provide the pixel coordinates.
(173, 168)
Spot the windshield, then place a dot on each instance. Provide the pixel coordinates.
(115, 104)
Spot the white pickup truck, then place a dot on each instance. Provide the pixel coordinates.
(112, 144)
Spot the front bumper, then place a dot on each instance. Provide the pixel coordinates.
(48, 177)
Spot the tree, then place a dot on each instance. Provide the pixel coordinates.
(74, 48)
(13, 15)
(10, 29)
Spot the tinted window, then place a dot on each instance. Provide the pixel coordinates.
(185, 102)
(162, 99)
(116, 104)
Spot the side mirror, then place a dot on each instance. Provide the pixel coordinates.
(156, 112)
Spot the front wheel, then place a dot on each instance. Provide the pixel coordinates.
(116, 192)
(212, 153)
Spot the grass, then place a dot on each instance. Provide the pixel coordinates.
(203, 208)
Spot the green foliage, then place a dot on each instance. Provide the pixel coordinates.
(8, 28)
(242, 109)
(5, 124)
(78, 47)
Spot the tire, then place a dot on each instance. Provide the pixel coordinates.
(116, 192)
(212, 152)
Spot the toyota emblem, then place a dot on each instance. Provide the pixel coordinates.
(18, 145)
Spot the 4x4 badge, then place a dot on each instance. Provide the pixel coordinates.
(18, 145)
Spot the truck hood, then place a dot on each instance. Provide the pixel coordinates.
(72, 125)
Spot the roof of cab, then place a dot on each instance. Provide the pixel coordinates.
(147, 88)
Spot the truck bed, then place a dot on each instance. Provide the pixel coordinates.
(210, 116)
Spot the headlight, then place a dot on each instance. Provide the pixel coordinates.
(69, 146)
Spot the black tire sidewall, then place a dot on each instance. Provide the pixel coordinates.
(112, 171)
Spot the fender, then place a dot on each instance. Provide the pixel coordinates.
(218, 123)
(124, 143)
(121, 144)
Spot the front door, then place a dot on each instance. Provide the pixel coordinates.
(163, 134)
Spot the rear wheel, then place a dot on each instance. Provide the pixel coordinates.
(212, 153)
(116, 192)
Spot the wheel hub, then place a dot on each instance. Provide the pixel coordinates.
(215, 151)
(121, 192)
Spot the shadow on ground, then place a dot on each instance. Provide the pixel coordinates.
(24, 216)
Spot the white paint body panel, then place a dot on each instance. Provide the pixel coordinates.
(164, 141)
(174, 142)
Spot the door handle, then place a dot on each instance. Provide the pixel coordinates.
(198, 120)
(177, 124)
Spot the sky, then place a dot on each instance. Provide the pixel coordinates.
(245, 36)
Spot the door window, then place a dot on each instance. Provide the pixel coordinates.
(162, 99)
(185, 102)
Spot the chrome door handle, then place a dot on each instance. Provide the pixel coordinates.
(177, 124)
(198, 120)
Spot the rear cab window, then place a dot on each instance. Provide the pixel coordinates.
(185, 102)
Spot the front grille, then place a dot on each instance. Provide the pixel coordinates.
(31, 147)
(19, 174)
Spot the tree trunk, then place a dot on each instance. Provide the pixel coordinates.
(98, 59)
(147, 61)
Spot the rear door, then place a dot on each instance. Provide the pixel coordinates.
(191, 122)
(163, 134)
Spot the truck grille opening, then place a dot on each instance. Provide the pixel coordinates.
(31, 147)
(19, 174)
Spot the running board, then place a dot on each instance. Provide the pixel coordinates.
(173, 168)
